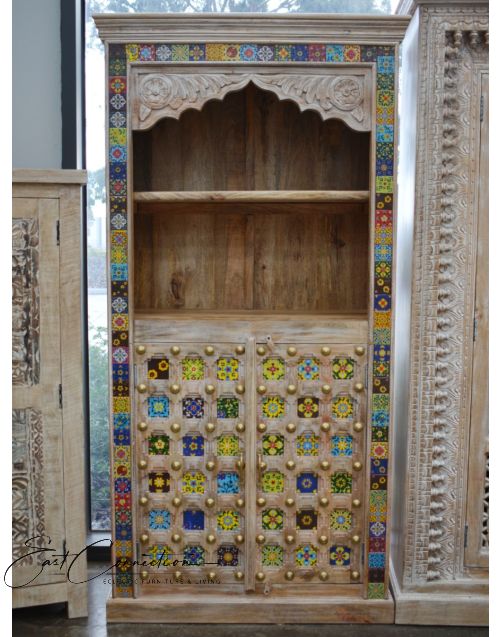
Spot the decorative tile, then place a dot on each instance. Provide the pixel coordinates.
(306, 520)
(283, 52)
(227, 368)
(273, 407)
(341, 482)
(306, 555)
(334, 52)
(228, 407)
(228, 520)
(308, 369)
(196, 52)
(273, 445)
(307, 444)
(228, 482)
(227, 555)
(273, 482)
(163, 53)
(193, 556)
(340, 555)
(193, 368)
(342, 368)
(308, 407)
(300, 52)
(352, 53)
(265, 53)
(193, 520)
(158, 445)
(273, 369)
(307, 482)
(376, 591)
(343, 407)
(317, 53)
(341, 520)
(272, 519)
(228, 445)
(193, 445)
(193, 482)
(376, 560)
(158, 407)
(193, 407)
(272, 555)
(162, 555)
(159, 482)
(248, 52)
(159, 520)
(341, 446)
(180, 52)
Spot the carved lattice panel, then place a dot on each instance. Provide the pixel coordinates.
(190, 410)
(310, 457)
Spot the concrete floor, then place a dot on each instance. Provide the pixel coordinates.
(52, 621)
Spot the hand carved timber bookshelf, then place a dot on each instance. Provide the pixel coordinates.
(251, 199)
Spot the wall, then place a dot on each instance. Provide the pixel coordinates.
(36, 84)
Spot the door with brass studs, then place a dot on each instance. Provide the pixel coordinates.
(250, 462)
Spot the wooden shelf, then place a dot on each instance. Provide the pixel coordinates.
(254, 196)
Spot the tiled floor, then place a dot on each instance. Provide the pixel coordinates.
(52, 621)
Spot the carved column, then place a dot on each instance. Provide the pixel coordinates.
(444, 54)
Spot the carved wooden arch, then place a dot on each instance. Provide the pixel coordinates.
(335, 92)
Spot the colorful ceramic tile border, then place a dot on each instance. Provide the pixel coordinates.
(383, 57)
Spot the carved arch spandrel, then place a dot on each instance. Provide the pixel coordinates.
(169, 90)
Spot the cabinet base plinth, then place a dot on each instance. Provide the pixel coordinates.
(250, 609)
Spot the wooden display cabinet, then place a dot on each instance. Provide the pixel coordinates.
(251, 198)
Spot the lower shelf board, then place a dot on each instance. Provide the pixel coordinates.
(250, 609)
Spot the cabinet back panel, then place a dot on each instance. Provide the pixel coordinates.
(250, 141)
(292, 261)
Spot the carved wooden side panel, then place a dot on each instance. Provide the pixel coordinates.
(190, 410)
(25, 303)
(453, 48)
(311, 417)
(170, 90)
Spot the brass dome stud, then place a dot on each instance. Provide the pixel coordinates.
(260, 539)
(177, 575)
(239, 539)
(261, 502)
(323, 576)
(142, 464)
(176, 538)
(240, 427)
(325, 426)
(175, 350)
(324, 464)
(323, 502)
(260, 576)
(144, 575)
(142, 388)
(261, 427)
(357, 466)
(326, 389)
(140, 349)
(175, 388)
(289, 502)
(358, 426)
(209, 350)
(176, 465)
(290, 539)
(261, 389)
(261, 350)
(239, 576)
(289, 575)
(325, 350)
(212, 575)
(240, 503)
(210, 389)
(209, 502)
(142, 426)
(143, 500)
(358, 387)
(210, 465)
(144, 538)
(211, 539)
(240, 389)
(239, 349)
(355, 539)
(177, 501)
(240, 464)
(355, 576)
(360, 350)
(210, 427)
(291, 351)
(291, 389)
(291, 427)
(323, 539)
(290, 464)
(356, 503)
(175, 427)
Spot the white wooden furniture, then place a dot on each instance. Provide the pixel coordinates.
(440, 532)
(48, 478)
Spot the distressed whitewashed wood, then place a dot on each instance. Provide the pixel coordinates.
(255, 196)
(342, 28)
(452, 53)
(169, 89)
(48, 470)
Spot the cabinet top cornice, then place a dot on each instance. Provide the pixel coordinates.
(245, 27)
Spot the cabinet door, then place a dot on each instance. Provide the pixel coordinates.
(190, 409)
(311, 416)
(37, 479)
